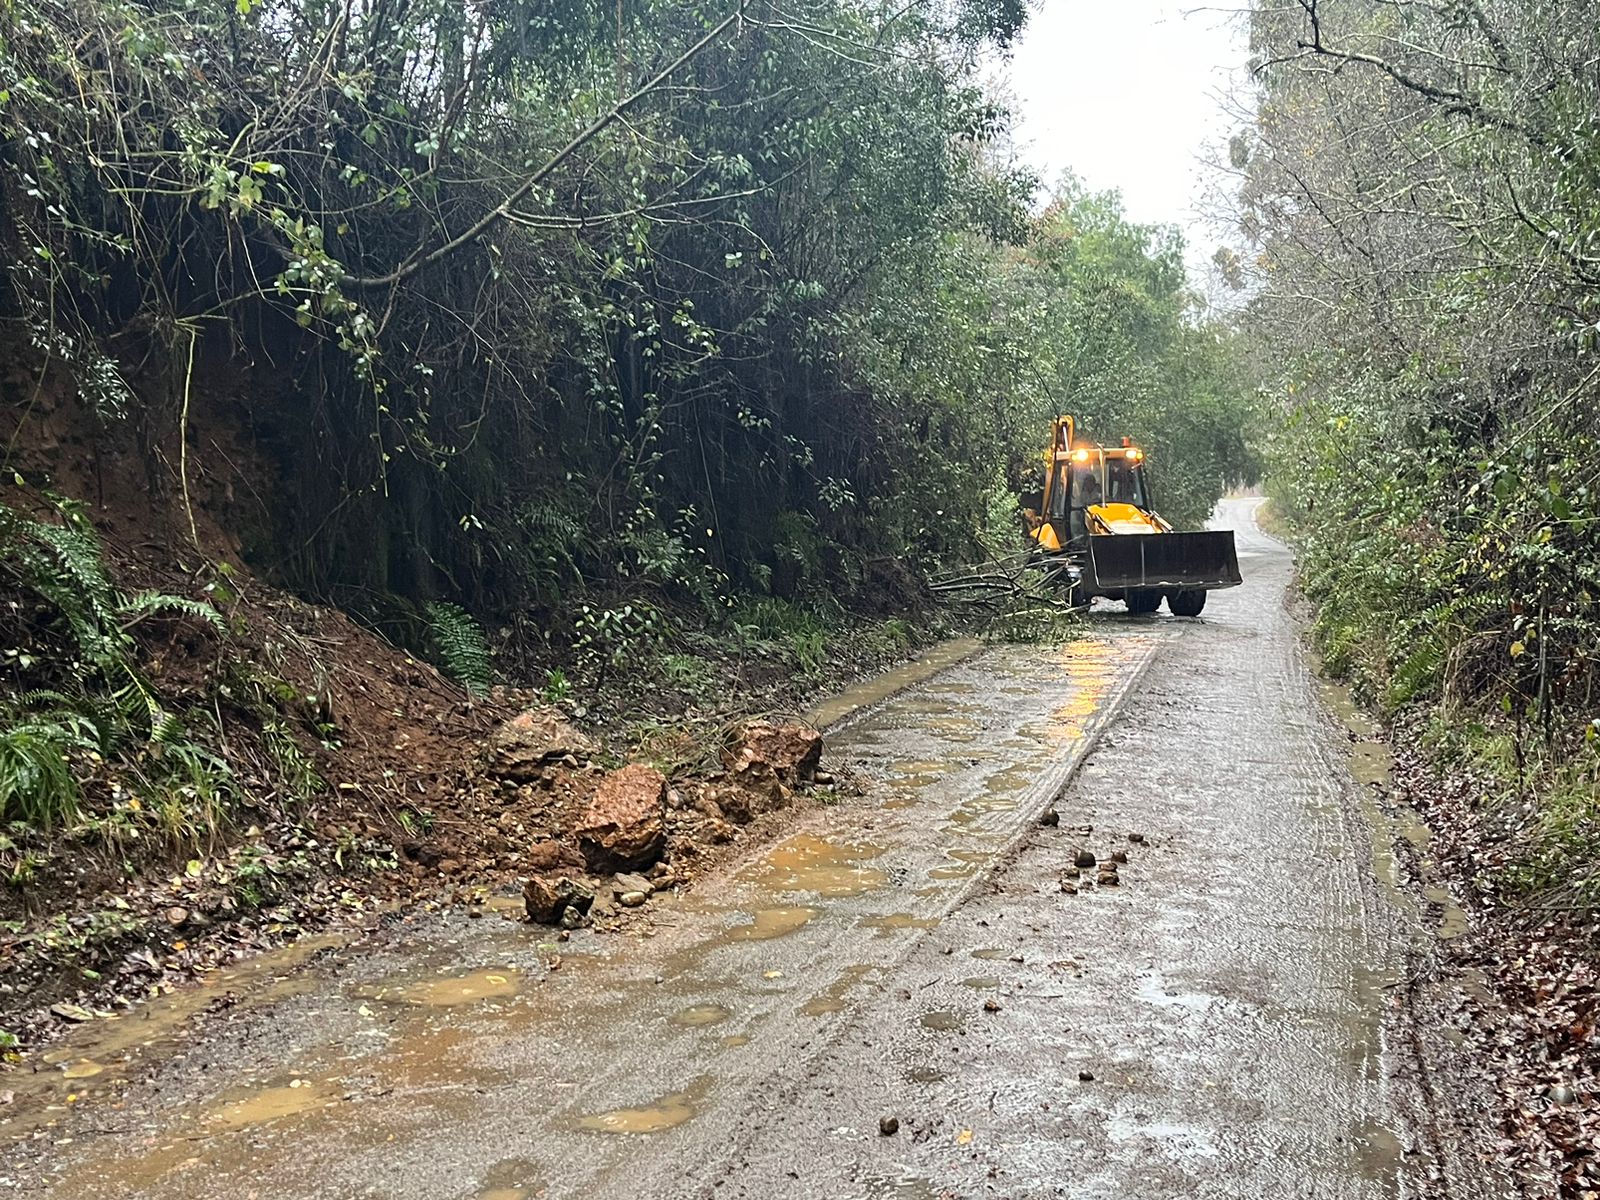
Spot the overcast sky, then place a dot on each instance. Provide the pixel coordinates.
(1125, 93)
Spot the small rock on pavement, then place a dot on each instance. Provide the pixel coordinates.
(1136, 838)
(1562, 1094)
(1120, 857)
(632, 899)
(1069, 887)
(1050, 819)
(888, 1126)
(1108, 879)
(1086, 857)
(629, 882)
(1085, 1076)
(548, 902)
(991, 1006)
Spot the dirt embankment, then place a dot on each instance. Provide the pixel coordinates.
(338, 776)
(422, 794)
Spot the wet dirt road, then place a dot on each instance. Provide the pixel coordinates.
(1222, 1022)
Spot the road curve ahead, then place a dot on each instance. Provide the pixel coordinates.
(912, 994)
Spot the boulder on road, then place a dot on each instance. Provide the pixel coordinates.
(624, 828)
(524, 746)
(791, 751)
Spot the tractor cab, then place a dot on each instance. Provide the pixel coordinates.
(1090, 490)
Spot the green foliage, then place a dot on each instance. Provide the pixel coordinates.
(688, 674)
(75, 637)
(462, 645)
(609, 638)
(1429, 370)
(191, 791)
(37, 784)
(80, 696)
(295, 768)
(557, 687)
(766, 623)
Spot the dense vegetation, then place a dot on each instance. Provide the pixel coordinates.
(585, 324)
(1421, 203)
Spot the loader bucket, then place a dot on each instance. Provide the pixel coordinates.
(1190, 561)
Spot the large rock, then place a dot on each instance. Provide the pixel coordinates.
(624, 828)
(791, 751)
(524, 746)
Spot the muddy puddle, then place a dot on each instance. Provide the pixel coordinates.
(890, 922)
(698, 1016)
(101, 1055)
(657, 1116)
(510, 1179)
(274, 1103)
(766, 924)
(832, 1000)
(1392, 823)
(448, 991)
(808, 863)
(875, 691)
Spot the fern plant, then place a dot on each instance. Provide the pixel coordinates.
(73, 634)
(63, 566)
(462, 645)
(37, 784)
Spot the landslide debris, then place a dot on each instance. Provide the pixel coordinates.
(650, 836)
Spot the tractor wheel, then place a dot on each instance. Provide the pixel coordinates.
(1142, 601)
(1186, 603)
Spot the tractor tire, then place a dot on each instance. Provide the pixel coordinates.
(1142, 601)
(1186, 602)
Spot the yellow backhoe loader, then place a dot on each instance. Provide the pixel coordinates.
(1095, 512)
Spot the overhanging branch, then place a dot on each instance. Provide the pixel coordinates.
(507, 206)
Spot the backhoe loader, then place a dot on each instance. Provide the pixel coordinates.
(1095, 511)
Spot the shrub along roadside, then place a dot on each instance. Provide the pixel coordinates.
(1456, 592)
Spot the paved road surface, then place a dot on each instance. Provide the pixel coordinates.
(1221, 1023)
